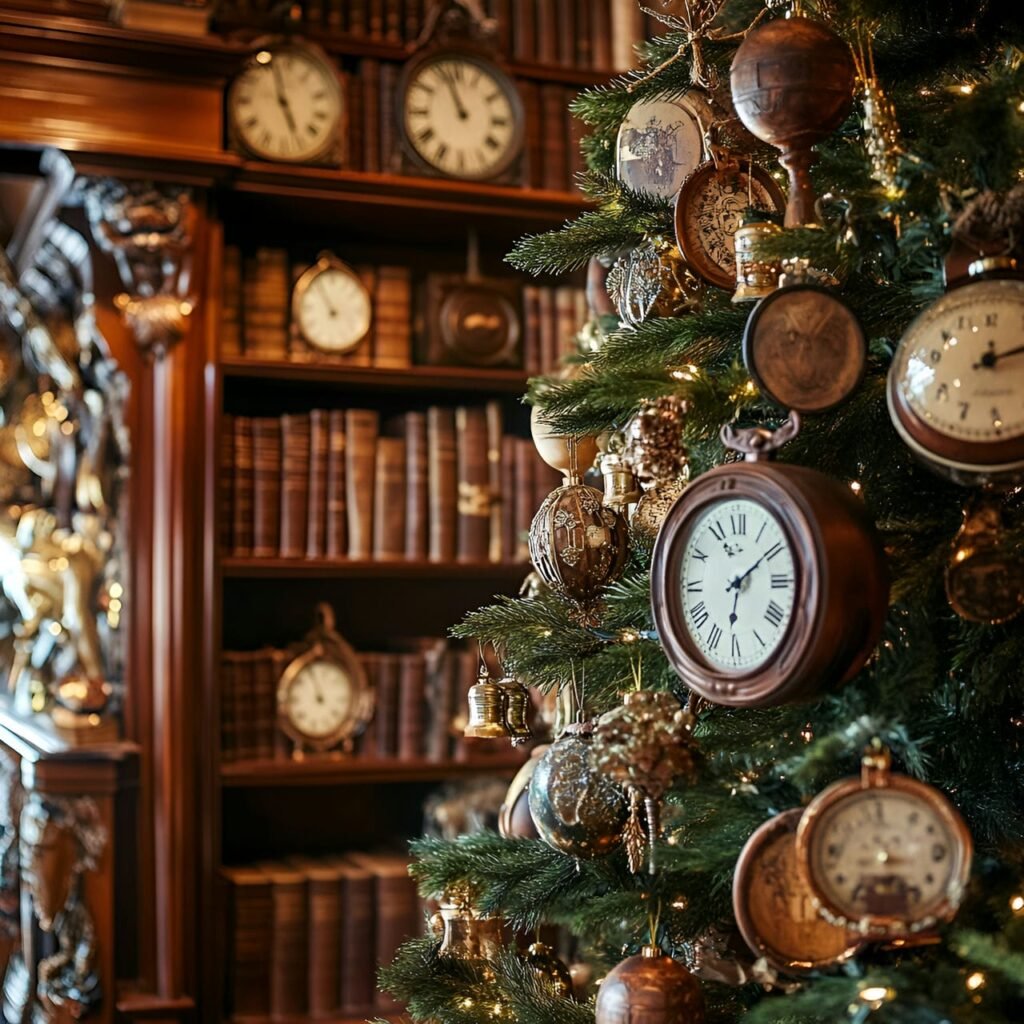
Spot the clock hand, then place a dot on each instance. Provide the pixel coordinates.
(732, 614)
(735, 585)
(991, 357)
(327, 299)
(282, 99)
(450, 82)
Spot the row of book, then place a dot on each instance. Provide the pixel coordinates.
(443, 485)
(419, 702)
(305, 935)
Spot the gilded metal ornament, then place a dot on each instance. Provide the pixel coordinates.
(653, 280)
(655, 447)
(881, 129)
(486, 709)
(465, 933)
(756, 277)
(653, 507)
(549, 969)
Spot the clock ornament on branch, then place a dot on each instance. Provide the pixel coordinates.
(653, 280)
(775, 909)
(575, 807)
(802, 345)
(792, 85)
(768, 582)
(652, 988)
(883, 854)
(645, 745)
(991, 224)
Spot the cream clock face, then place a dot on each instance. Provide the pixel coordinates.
(738, 584)
(332, 308)
(286, 105)
(960, 367)
(320, 699)
(462, 117)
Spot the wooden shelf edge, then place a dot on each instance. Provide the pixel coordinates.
(370, 1015)
(355, 771)
(413, 378)
(234, 567)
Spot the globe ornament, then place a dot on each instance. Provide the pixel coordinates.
(651, 988)
(576, 809)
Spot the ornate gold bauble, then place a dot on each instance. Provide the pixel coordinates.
(549, 970)
(653, 280)
(654, 439)
(577, 810)
(653, 507)
(650, 988)
(555, 448)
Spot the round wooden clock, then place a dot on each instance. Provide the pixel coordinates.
(331, 307)
(323, 698)
(710, 207)
(768, 582)
(884, 854)
(775, 910)
(286, 105)
(957, 381)
(478, 325)
(460, 115)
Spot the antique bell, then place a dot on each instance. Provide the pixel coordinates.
(517, 704)
(620, 485)
(486, 709)
(755, 278)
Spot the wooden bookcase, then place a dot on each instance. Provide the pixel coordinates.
(138, 105)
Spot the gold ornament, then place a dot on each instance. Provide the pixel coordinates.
(881, 129)
(464, 933)
(517, 705)
(653, 280)
(644, 746)
(756, 277)
(652, 508)
(654, 439)
(554, 448)
(548, 969)
(486, 709)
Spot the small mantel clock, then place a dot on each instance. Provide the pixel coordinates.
(459, 114)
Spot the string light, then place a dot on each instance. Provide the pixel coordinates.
(1017, 904)
(855, 486)
(966, 89)
(875, 995)
(975, 981)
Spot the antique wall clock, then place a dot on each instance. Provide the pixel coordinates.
(956, 382)
(286, 106)
(768, 583)
(884, 854)
(323, 698)
(331, 307)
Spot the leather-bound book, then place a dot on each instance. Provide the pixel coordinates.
(389, 498)
(565, 321)
(228, 724)
(417, 493)
(294, 484)
(393, 316)
(495, 495)
(366, 743)
(356, 15)
(249, 930)
(390, 156)
(225, 484)
(474, 503)
(393, 21)
(530, 94)
(316, 507)
(566, 31)
(289, 941)
(324, 909)
(362, 354)
(266, 491)
(361, 428)
(553, 118)
(240, 665)
(369, 73)
(354, 144)
(532, 355)
(437, 660)
(412, 683)
(583, 32)
(548, 324)
(503, 16)
(280, 660)
(358, 939)
(241, 488)
(413, 21)
(526, 507)
(524, 31)
(546, 19)
(386, 713)
(601, 34)
(627, 30)
(336, 537)
(576, 131)
(442, 478)
(375, 18)
(509, 542)
(264, 702)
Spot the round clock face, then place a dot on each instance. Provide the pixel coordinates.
(462, 116)
(737, 581)
(319, 701)
(957, 381)
(332, 308)
(286, 105)
(886, 853)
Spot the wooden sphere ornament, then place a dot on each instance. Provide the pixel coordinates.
(775, 911)
(792, 85)
(768, 582)
(650, 988)
(884, 854)
(576, 809)
(554, 448)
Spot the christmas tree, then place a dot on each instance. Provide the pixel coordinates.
(879, 648)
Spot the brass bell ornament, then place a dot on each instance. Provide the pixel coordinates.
(486, 709)
(517, 706)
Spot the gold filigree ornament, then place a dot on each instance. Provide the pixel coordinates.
(653, 280)
(881, 129)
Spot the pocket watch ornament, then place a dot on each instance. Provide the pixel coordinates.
(644, 746)
(577, 809)
(984, 576)
(653, 280)
(652, 988)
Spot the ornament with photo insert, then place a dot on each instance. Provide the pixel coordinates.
(768, 581)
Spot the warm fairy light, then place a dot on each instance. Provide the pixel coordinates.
(966, 89)
(875, 995)
(680, 903)
(807, 733)
(629, 636)
(855, 486)
(1017, 904)
(264, 57)
(975, 981)
(687, 372)
(1020, 106)
(467, 1003)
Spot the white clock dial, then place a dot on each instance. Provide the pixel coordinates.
(286, 106)
(334, 310)
(462, 117)
(319, 699)
(960, 367)
(884, 852)
(738, 584)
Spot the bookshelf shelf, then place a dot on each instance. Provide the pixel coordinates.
(301, 568)
(369, 378)
(358, 771)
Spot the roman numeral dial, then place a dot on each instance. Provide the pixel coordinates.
(738, 584)
(462, 117)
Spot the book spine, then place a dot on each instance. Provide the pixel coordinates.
(357, 24)
(375, 19)
(474, 512)
(509, 541)
(386, 715)
(370, 75)
(565, 322)
(503, 16)
(535, 150)
(389, 156)
(396, 922)
(249, 929)
(441, 472)
(231, 307)
(264, 703)
(266, 458)
(361, 428)
(417, 509)
(354, 145)
(316, 514)
(532, 355)
(295, 479)
(565, 29)
(627, 30)
(583, 32)
(242, 488)
(546, 19)
(226, 484)
(411, 696)
(601, 35)
(574, 146)
(389, 499)
(524, 31)
(547, 322)
(553, 118)
(525, 505)
(324, 913)
(358, 944)
(288, 952)
(393, 21)
(495, 496)
(438, 731)
(393, 312)
(336, 539)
